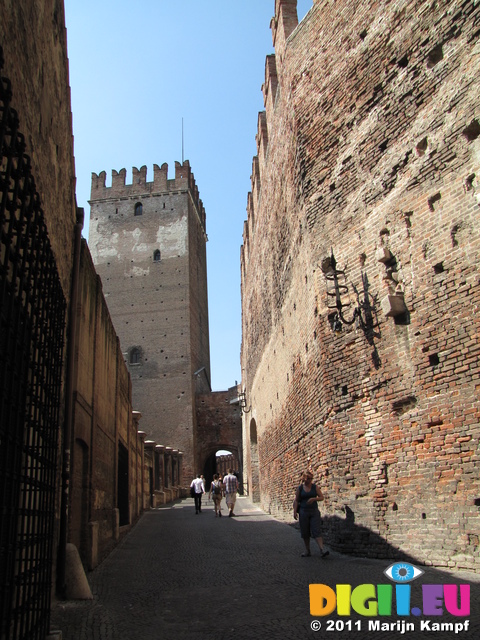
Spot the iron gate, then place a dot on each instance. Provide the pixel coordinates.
(32, 321)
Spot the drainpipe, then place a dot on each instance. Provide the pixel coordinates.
(69, 388)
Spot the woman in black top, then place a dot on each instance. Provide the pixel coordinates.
(305, 508)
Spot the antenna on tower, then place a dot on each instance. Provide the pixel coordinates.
(182, 140)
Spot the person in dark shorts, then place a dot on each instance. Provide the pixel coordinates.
(305, 508)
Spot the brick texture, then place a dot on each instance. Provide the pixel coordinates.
(219, 427)
(158, 301)
(34, 44)
(368, 147)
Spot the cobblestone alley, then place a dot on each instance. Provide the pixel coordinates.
(180, 576)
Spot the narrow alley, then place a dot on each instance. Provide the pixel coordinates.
(180, 576)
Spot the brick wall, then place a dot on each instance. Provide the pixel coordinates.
(369, 147)
(33, 39)
(219, 427)
(159, 306)
(35, 69)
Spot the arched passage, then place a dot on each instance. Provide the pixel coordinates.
(219, 461)
(209, 468)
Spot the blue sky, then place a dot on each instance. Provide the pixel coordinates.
(137, 69)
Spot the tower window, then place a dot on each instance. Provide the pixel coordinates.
(156, 255)
(134, 356)
(138, 209)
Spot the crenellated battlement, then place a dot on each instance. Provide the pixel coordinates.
(184, 181)
(262, 135)
(284, 23)
(269, 87)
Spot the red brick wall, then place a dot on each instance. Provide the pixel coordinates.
(371, 143)
(34, 44)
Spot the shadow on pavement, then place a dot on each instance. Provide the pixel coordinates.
(197, 577)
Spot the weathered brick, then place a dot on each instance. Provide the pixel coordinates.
(158, 301)
(366, 152)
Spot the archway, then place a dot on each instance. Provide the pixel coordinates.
(219, 461)
(209, 468)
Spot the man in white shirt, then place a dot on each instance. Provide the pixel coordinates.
(199, 488)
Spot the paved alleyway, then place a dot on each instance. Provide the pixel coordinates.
(180, 576)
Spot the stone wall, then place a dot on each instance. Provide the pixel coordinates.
(116, 473)
(368, 148)
(163, 474)
(107, 452)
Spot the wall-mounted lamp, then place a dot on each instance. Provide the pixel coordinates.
(337, 291)
(242, 400)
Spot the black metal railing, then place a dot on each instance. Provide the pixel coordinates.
(32, 322)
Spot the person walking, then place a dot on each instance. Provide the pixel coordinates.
(305, 508)
(199, 488)
(216, 492)
(230, 483)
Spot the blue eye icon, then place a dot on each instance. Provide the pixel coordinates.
(402, 572)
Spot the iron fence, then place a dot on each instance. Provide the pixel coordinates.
(32, 321)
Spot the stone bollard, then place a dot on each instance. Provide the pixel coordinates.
(77, 587)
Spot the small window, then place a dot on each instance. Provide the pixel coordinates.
(156, 255)
(138, 209)
(135, 356)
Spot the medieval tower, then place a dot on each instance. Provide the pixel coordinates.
(148, 242)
